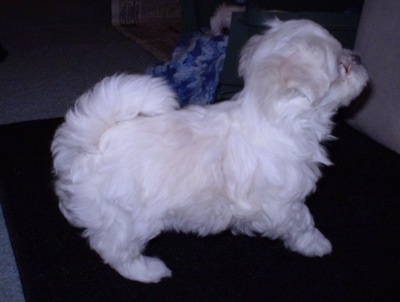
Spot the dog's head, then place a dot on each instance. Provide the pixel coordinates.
(300, 59)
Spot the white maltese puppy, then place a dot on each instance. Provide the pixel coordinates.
(130, 164)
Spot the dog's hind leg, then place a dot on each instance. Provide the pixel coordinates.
(143, 269)
(300, 235)
(122, 250)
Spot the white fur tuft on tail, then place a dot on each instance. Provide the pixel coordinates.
(112, 100)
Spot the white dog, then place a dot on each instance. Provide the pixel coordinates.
(220, 21)
(131, 165)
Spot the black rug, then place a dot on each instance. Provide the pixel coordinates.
(356, 206)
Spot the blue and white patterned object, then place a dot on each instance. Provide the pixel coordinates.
(194, 68)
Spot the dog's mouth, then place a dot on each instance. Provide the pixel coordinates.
(345, 67)
(350, 61)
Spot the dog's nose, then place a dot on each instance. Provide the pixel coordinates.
(356, 59)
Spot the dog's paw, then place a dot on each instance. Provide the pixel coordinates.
(311, 244)
(144, 269)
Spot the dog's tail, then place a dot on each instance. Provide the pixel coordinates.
(114, 99)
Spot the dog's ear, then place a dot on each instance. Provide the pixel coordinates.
(300, 73)
(285, 74)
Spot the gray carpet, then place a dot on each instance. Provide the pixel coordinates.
(10, 286)
(46, 69)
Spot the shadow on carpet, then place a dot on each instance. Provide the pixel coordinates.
(355, 206)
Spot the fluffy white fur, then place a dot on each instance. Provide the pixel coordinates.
(130, 164)
(220, 21)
